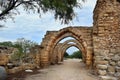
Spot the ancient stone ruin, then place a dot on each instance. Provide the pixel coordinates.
(100, 44)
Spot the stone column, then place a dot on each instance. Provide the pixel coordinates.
(89, 57)
(106, 39)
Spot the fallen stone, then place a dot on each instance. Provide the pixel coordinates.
(3, 73)
(107, 78)
(28, 70)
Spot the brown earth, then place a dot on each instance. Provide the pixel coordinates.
(70, 69)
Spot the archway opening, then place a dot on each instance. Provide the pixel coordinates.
(69, 45)
(73, 53)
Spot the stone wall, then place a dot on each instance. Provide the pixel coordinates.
(5, 53)
(106, 39)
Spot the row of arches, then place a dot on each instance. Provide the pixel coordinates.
(54, 50)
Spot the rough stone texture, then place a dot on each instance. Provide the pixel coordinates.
(118, 63)
(99, 44)
(82, 35)
(4, 59)
(5, 53)
(102, 72)
(3, 73)
(108, 78)
(103, 67)
(106, 35)
(111, 69)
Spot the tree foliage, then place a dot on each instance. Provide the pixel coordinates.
(76, 54)
(66, 55)
(62, 9)
(6, 43)
(24, 44)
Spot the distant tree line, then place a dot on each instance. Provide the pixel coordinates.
(76, 54)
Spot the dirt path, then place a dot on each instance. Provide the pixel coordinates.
(69, 70)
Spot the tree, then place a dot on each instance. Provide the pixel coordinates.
(66, 55)
(62, 9)
(24, 45)
(7, 43)
(76, 54)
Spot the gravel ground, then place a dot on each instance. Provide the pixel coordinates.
(71, 69)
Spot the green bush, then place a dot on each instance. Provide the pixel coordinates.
(66, 55)
(76, 54)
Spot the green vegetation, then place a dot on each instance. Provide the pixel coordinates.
(22, 45)
(66, 55)
(76, 54)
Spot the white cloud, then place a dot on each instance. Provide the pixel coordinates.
(32, 27)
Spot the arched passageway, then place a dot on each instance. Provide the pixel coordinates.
(83, 38)
(101, 42)
(61, 48)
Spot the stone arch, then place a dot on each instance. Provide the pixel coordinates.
(76, 43)
(68, 46)
(81, 34)
(59, 48)
(101, 41)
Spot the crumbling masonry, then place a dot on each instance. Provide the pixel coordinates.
(99, 44)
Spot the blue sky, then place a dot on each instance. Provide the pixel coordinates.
(31, 27)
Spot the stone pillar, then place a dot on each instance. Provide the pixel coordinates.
(106, 39)
(89, 57)
(44, 60)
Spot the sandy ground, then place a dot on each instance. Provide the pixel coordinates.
(71, 69)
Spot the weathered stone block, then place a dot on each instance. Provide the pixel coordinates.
(102, 62)
(116, 58)
(107, 78)
(102, 72)
(111, 69)
(103, 67)
(117, 69)
(118, 63)
(113, 63)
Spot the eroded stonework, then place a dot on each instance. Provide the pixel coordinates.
(82, 34)
(100, 44)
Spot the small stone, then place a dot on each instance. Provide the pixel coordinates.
(117, 69)
(118, 63)
(117, 74)
(107, 78)
(111, 69)
(116, 58)
(102, 72)
(102, 62)
(28, 70)
(3, 73)
(102, 67)
(112, 63)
